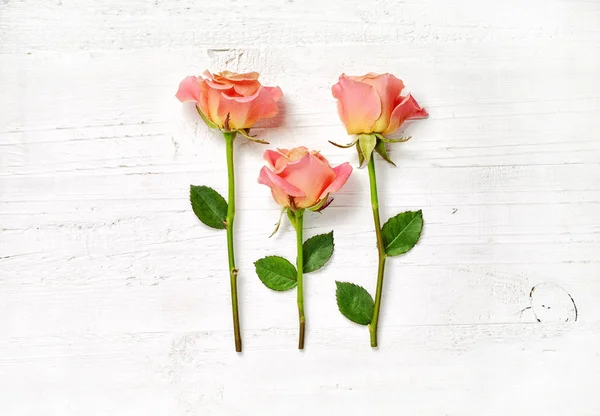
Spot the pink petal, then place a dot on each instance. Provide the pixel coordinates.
(406, 109)
(309, 175)
(275, 92)
(278, 194)
(359, 105)
(267, 178)
(342, 173)
(189, 89)
(276, 159)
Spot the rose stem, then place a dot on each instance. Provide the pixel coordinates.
(298, 225)
(233, 272)
(380, 250)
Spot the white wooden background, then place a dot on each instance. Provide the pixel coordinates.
(114, 298)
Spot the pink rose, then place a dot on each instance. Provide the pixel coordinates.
(373, 103)
(299, 178)
(241, 96)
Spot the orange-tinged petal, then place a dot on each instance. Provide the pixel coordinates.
(275, 92)
(297, 153)
(388, 88)
(359, 105)
(407, 108)
(245, 111)
(233, 77)
(342, 173)
(210, 103)
(189, 90)
(280, 188)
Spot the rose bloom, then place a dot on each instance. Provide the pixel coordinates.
(300, 178)
(374, 103)
(240, 95)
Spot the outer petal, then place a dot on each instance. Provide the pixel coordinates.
(311, 176)
(359, 105)
(275, 92)
(280, 189)
(388, 88)
(342, 173)
(407, 108)
(210, 103)
(245, 111)
(189, 89)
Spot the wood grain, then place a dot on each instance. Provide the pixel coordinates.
(114, 299)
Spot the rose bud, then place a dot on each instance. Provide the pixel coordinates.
(300, 178)
(374, 103)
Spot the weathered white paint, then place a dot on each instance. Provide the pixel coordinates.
(114, 298)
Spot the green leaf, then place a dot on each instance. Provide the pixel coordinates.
(209, 206)
(401, 233)
(367, 143)
(380, 148)
(276, 273)
(206, 119)
(354, 302)
(316, 251)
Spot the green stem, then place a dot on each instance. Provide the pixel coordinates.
(298, 225)
(380, 250)
(233, 272)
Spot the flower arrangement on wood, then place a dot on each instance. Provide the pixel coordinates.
(371, 107)
(299, 180)
(232, 103)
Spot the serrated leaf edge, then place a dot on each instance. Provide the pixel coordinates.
(420, 212)
(276, 290)
(339, 284)
(328, 258)
(192, 203)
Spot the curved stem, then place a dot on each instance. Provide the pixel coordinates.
(298, 225)
(380, 250)
(233, 272)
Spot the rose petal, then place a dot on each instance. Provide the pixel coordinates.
(189, 90)
(359, 105)
(276, 159)
(406, 109)
(297, 153)
(234, 77)
(388, 88)
(309, 175)
(210, 103)
(280, 188)
(342, 173)
(275, 92)
(245, 111)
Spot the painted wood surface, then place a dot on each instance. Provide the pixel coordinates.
(114, 299)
